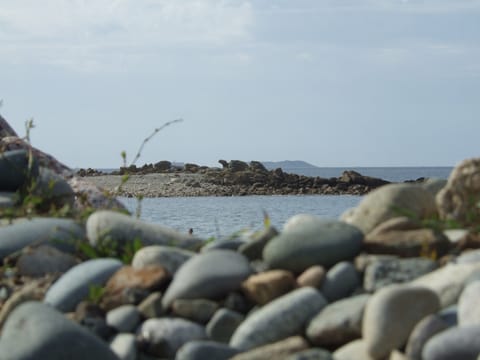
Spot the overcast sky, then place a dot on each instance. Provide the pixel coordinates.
(331, 82)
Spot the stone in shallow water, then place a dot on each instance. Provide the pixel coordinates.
(74, 286)
(392, 313)
(208, 275)
(110, 225)
(283, 317)
(37, 331)
(60, 233)
(313, 242)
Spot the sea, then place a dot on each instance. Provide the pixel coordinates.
(220, 217)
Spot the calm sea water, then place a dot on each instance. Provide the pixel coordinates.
(222, 216)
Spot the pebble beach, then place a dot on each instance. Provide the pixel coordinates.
(397, 277)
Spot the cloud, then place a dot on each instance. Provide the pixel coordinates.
(61, 30)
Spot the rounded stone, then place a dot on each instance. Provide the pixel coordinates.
(354, 350)
(123, 318)
(390, 201)
(74, 286)
(124, 346)
(277, 350)
(53, 188)
(60, 233)
(448, 281)
(7, 199)
(340, 281)
(384, 271)
(264, 287)
(14, 169)
(423, 331)
(454, 343)
(198, 310)
(169, 257)
(223, 324)
(164, 336)
(283, 317)
(105, 225)
(43, 260)
(208, 275)
(311, 354)
(37, 331)
(315, 242)
(392, 313)
(313, 277)
(202, 349)
(338, 323)
(468, 309)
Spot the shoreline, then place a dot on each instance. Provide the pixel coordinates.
(186, 184)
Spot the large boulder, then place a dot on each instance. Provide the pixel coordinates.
(390, 201)
(459, 199)
(37, 331)
(313, 242)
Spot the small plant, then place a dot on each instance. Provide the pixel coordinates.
(110, 248)
(95, 293)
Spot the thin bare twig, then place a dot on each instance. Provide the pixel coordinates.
(148, 138)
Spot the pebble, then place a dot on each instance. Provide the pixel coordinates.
(468, 309)
(276, 350)
(50, 336)
(422, 332)
(316, 242)
(390, 201)
(208, 275)
(124, 346)
(168, 257)
(448, 282)
(264, 287)
(60, 233)
(74, 286)
(253, 248)
(163, 337)
(392, 313)
(198, 310)
(311, 354)
(121, 228)
(355, 350)
(341, 280)
(151, 306)
(7, 199)
(386, 271)
(130, 286)
(312, 276)
(454, 344)
(53, 188)
(42, 260)
(123, 318)
(202, 350)
(283, 317)
(338, 323)
(223, 324)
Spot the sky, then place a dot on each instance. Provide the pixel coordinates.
(330, 82)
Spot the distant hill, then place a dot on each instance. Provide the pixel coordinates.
(291, 166)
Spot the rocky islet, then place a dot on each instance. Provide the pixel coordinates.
(311, 290)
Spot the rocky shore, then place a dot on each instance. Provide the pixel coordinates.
(235, 178)
(397, 277)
